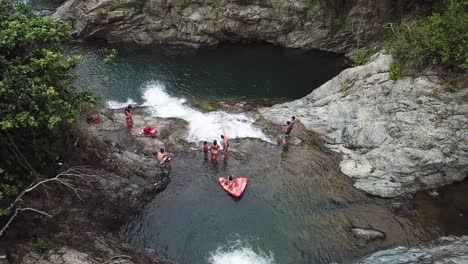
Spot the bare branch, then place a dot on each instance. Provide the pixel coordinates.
(409, 31)
(78, 172)
(391, 27)
(16, 214)
(64, 178)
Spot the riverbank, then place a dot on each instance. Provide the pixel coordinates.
(87, 215)
(396, 136)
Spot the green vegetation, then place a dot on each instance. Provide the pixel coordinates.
(395, 72)
(338, 23)
(45, 245)
(140, 5)
(39, 104)
(363, 55)
(204, 105)
(313, 7)
(111, 56)
(101, 14)
(440, 39)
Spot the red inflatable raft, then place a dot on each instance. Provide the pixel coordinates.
(237, 187)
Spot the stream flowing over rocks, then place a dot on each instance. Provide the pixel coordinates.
(325, 25)
(396, 137)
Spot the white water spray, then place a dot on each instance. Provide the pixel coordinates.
(239, 252)
(118, 105)
(202, 126)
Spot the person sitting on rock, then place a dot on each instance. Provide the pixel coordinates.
(163, 157)
(214, 150)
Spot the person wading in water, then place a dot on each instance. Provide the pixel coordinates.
(214, 150)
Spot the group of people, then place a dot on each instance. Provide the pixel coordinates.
(162, 156)
(209, 152)
(288, 128)
(213, 150)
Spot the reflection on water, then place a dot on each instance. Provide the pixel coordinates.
(297, 209)
(231, 73)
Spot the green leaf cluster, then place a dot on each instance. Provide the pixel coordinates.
(36, 78)
(45, 245)
(439, 39)
(363, 55)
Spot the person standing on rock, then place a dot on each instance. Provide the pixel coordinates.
(293, 121)
(225, 144)
(205, 149)
(128, 117)
(214, 150)
(287, 131)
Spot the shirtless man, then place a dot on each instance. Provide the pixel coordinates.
(214, 150)
(287, 131)
(225, 144)
(163, 157)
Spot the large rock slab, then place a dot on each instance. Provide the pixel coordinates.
(445, 250)
(396, 137)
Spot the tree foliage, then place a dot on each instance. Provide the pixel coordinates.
(439, 39)
(38, 98)
(36, 81)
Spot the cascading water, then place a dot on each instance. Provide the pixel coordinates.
(202, 126)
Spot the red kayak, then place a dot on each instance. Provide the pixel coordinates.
(237, 186)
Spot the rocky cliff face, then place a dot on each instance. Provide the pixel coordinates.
(334, 25)
(396, 136)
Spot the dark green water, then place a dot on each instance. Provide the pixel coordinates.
(237, 73)
(297, 208)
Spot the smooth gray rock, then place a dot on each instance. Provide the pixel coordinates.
(367, 234)
(396, 137)
(442, 251)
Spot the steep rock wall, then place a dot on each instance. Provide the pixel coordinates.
(334, 25)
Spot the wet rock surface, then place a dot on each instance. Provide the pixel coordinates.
(396, 137)
(325, 25)
(367, 234)
(444, 250)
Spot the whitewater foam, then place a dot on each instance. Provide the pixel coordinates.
(118, 105)
(202, 126)
(239, 252)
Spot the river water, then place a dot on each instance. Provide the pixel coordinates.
(298, 207)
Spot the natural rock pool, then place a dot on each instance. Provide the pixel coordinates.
(298, 207)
